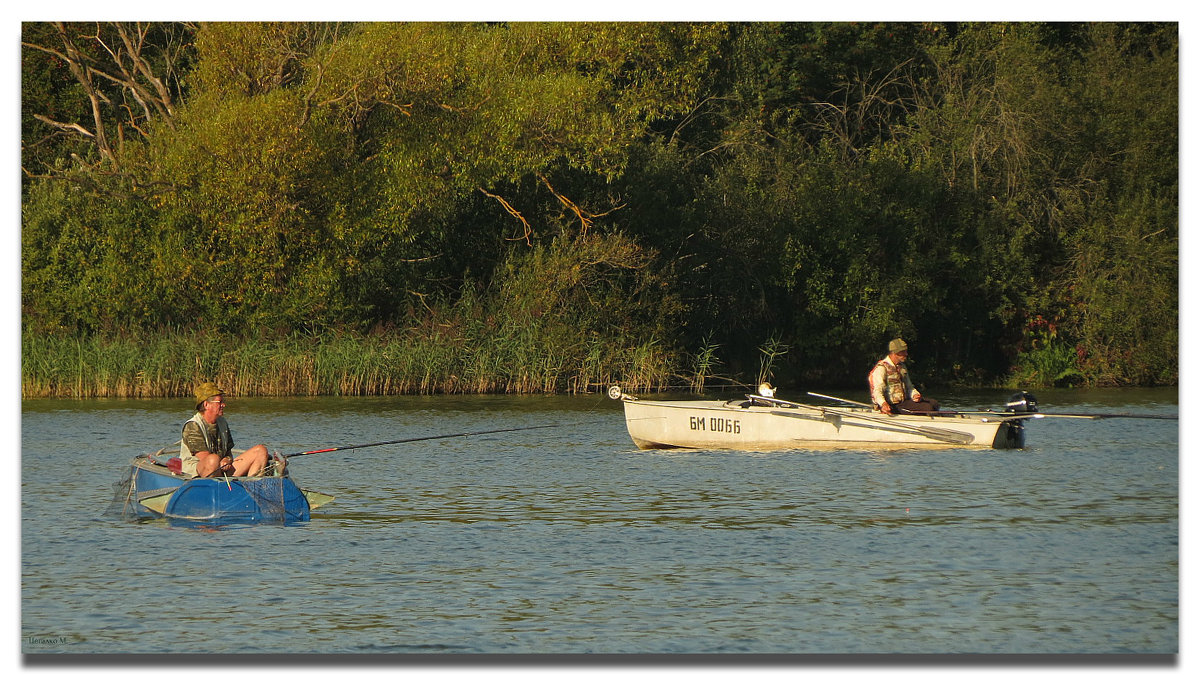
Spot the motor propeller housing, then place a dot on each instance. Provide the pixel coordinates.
(1023, 402)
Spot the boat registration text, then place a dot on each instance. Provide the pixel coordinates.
(716, 424)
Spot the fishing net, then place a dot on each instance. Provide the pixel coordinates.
(121, 505)
(271, 497)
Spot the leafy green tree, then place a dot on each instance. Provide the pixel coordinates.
(317, 172)
(575, 311)
(1002, 194)
(1118, 296)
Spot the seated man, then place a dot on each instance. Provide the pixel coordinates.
(892, 391)
(207, 448)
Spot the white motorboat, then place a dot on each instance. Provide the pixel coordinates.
(764, 423)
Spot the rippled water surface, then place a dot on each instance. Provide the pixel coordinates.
(571, 540)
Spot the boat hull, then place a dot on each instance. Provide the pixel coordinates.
(157, 491)
(743, 425)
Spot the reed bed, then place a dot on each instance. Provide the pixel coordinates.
(419, 360)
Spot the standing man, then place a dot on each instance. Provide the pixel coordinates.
(207, 448)
(892, 391)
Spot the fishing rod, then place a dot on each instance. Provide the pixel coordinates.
(1101, 416)
(835, 398)
(421, 438)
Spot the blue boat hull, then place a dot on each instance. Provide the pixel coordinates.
(156, 491)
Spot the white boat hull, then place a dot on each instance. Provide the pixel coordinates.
(742, 425)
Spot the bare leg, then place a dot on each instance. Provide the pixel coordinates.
(250, 462)
(208, 463)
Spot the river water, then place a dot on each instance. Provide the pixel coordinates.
(570, 540)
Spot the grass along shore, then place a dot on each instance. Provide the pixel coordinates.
(171, 364)
(449, 360)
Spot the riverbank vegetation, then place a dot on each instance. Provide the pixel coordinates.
(316, 208)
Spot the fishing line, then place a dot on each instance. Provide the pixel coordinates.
(430, 438)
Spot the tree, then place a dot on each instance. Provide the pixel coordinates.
(128, 73)
(1119, 293)
(996, 192)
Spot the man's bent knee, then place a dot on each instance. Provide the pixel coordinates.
(251, 461)
(207, 465)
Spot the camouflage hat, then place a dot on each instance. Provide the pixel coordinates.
(896, 346)
(206, 391)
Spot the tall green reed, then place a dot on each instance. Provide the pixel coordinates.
(517, 360)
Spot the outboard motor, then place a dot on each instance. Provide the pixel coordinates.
(1023, 402)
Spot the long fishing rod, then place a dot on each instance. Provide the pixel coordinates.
(421, 438)
(835, 398)
(1101, 416)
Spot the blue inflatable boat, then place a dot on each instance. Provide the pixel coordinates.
(157, 488)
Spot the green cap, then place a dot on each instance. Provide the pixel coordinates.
(206, 391)
(897, 345)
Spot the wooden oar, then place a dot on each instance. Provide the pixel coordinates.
(419, 438)
(943, 435)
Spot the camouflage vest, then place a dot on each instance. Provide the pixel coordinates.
(217, 438)
(221, 442)
(894, 377)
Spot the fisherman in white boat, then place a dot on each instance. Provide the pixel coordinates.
(207, 448)
(892, 391)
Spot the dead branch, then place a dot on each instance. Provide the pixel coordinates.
(69, 126)
(76, 62)
(516, 214)
(585, 219)
(117, 78)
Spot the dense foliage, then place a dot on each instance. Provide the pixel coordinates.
(569, 204)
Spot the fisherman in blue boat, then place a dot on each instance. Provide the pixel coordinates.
(892, 391)
(207, 448)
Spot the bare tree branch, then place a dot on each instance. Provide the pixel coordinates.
(585, 218)
(76, 62)
(69, 126)
(514, 213)
(118, 78)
